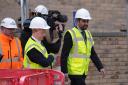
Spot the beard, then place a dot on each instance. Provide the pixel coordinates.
(84, 27)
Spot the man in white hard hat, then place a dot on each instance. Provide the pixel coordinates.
(78, 50)
(10, 46)
(40, 11)
(35, 54)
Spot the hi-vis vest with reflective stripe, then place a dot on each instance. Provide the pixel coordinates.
(11, 51)
(79, 56)
(30, 45)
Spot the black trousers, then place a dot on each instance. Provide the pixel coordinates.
(77, 79)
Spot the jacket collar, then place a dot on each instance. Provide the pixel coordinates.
(5, 37)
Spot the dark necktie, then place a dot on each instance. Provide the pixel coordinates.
(83, 34)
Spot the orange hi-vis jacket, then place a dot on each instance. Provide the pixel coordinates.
(11, 53)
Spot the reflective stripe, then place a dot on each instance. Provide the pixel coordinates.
(30, 45)
(76, 46)
(18, 48)
(79, 39)
(90, 38)
(15, 59)
(28, 64)
(44, 51)
(1, 49)
(79, 56)
(76, 55)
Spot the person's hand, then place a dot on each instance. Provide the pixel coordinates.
(102, 71)
(59, 26)
(56, 60)
(66, 77)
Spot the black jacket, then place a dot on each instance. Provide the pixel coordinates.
(37, 57)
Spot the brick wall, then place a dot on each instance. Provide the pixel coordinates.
(113, 52)
(108, 15)
(9, 8)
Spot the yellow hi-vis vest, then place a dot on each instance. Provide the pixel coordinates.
(79, 56)
(30, 45)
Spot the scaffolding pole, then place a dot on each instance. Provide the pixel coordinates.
(24, 11)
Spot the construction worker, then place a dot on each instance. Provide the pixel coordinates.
(40, 11)
(27, 32)
(78, 50)
(36, 56)
(10, 46)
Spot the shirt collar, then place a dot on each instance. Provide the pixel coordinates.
(36, 40)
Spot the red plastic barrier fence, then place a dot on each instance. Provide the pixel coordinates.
(31, 77)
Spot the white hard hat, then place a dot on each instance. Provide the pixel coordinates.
(41, 9)
(83, 14)
(38, 23)
(8, 23)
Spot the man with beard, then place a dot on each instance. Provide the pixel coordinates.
(78, 50)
